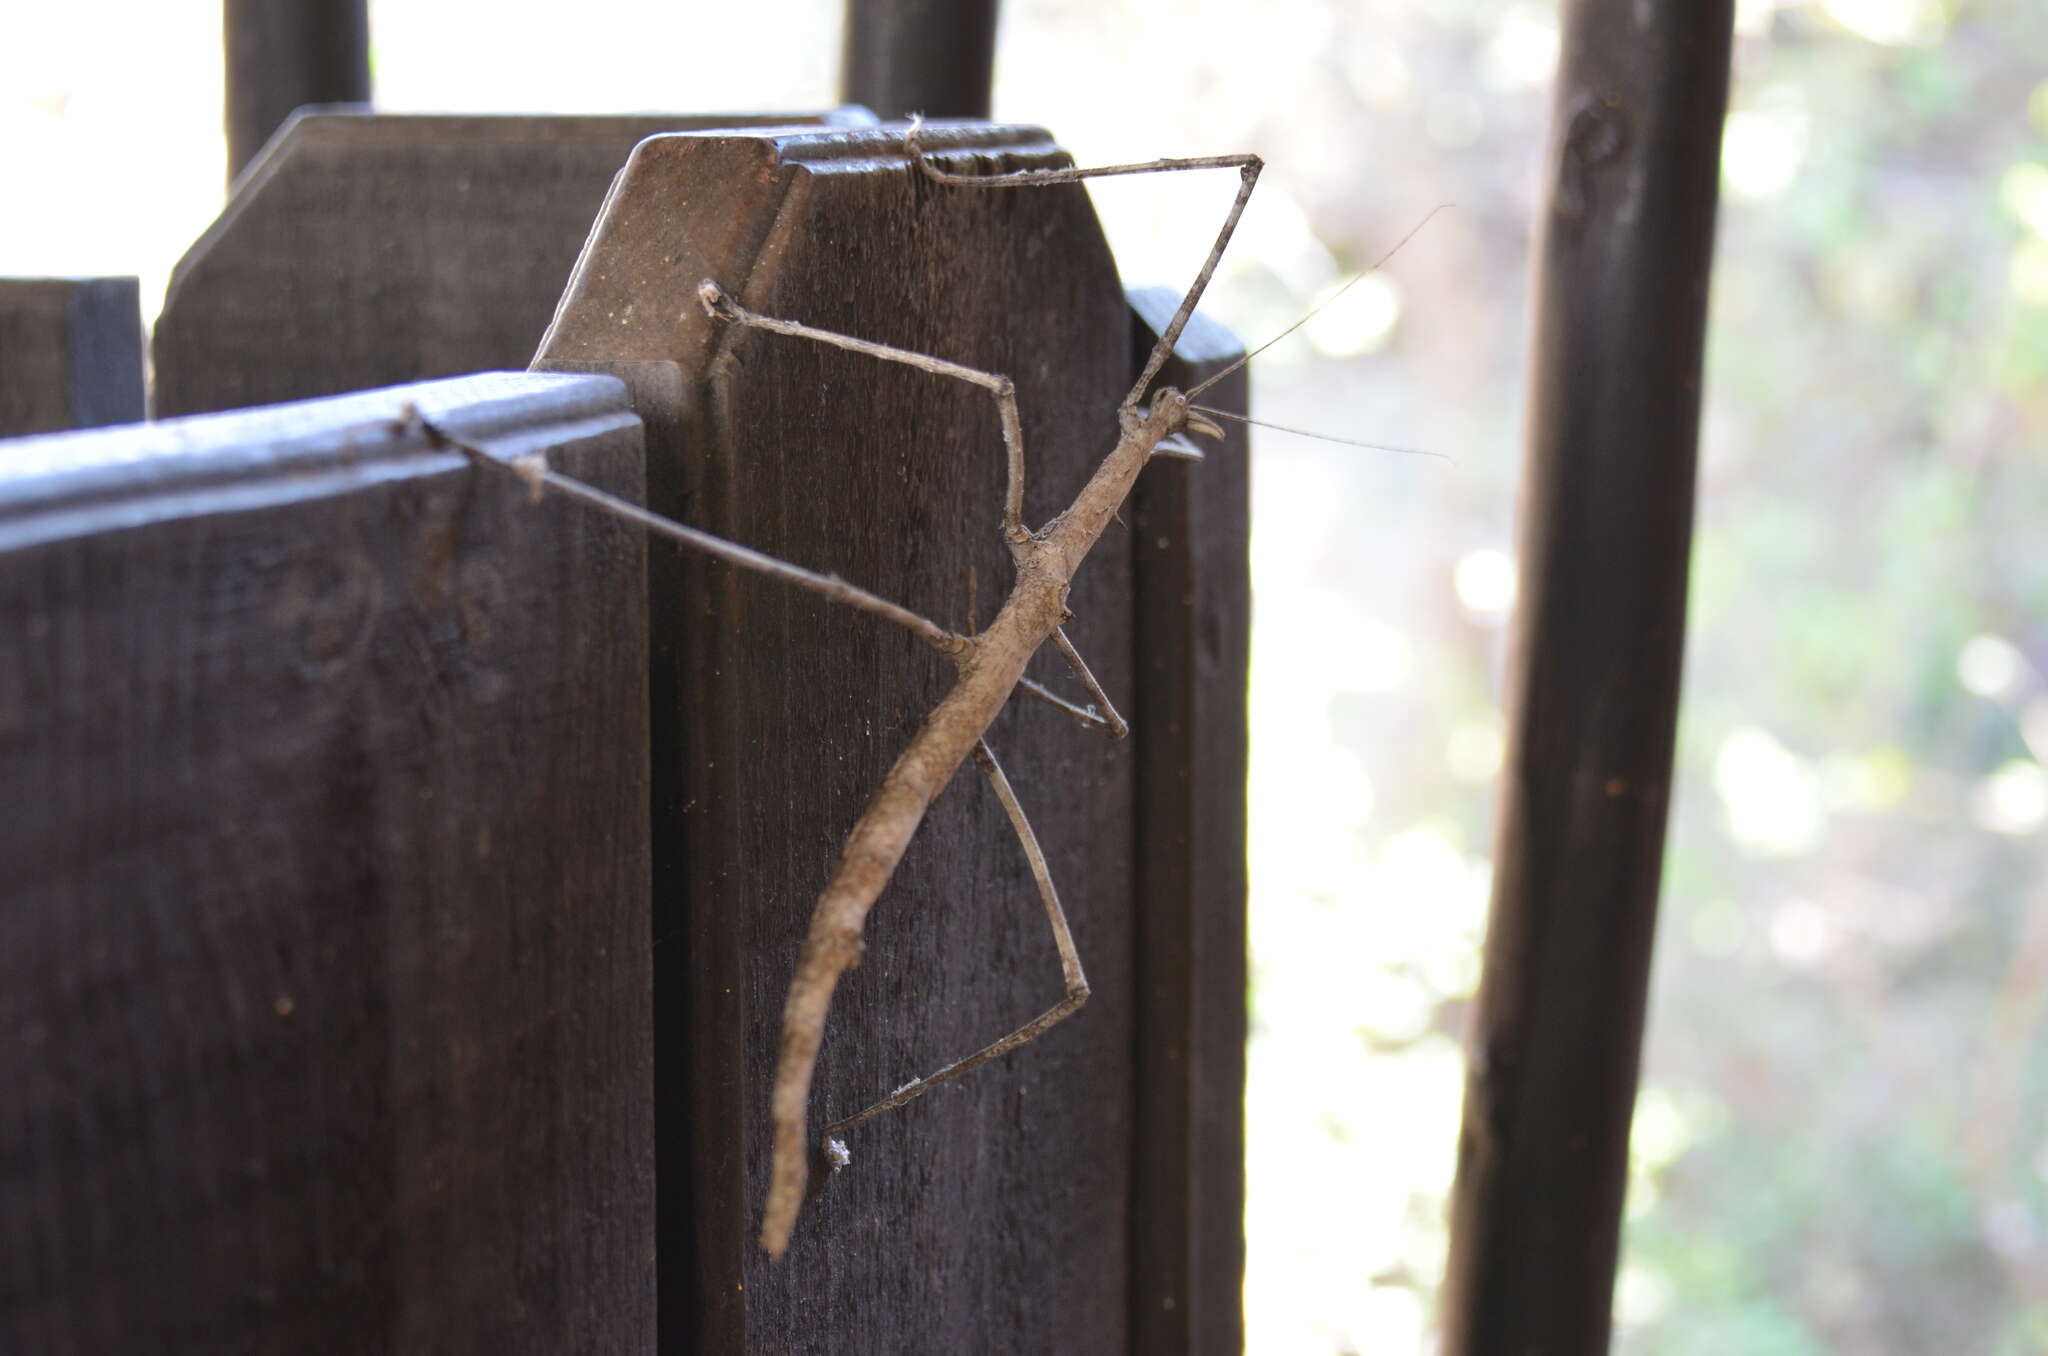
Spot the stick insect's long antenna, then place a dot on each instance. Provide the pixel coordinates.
(1321, 437)
(1246, 164)
(1322, 305)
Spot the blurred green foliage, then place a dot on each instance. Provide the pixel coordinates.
(1860, 1005)
(1842, 1144)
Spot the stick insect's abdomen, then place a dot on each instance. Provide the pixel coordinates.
(989, 669)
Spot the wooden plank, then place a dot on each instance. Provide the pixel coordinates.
(283, 54)
(993, 1214)
(1191, 531)
(935, 57)
(1624, 249)
(365, 250)
(70, 354)
(324, 953)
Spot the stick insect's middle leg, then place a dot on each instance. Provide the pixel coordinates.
(721, 306)
(1062, 936)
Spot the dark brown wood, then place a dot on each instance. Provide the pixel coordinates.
(935, 57)
(324, 956)
(993, 1214)
(1623, 254)
(1191, 534)
(70, 354)
(282, 54)
(365, 250)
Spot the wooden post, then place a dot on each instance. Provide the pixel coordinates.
(1623, 254)
(370, 249)
(324, 950)
(1191, 528)
(935, 57)
(70, 354)
(997, 1213)
(284, 54)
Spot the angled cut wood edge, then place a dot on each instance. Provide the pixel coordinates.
(998, 1208)
(363, 249)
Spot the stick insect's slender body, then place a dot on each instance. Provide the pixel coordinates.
(989, 664)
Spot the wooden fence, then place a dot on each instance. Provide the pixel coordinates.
(415, 873)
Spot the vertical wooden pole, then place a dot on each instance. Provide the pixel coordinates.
(935, 57)
(1623, 254)
(284, 53)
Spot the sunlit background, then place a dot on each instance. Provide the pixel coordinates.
(1842, 1142)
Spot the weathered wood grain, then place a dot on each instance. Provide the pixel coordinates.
(993, 1214)
(364, 250)
(324, 953)
(1191, 528)
(70, 354)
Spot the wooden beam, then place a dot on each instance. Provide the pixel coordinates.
(1622, 260)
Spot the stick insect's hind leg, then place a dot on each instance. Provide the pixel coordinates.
(1117, 728)
(1070, 967)
(1246, 164)
(722, 306)
(1099, 714)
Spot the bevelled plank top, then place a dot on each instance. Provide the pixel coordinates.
(362, 250)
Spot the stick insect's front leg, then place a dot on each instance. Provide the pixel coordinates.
(723, 307)
(1070, 968)
(1246, 164)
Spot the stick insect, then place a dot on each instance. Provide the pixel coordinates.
(989, 664)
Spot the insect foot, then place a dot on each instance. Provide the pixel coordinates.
(717, 304)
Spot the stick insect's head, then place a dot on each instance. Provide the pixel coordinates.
(1173, 417)
(1181, 413)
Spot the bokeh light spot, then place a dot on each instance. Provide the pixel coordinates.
(1486, 582)
(2013, 799)
(1989, 665)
